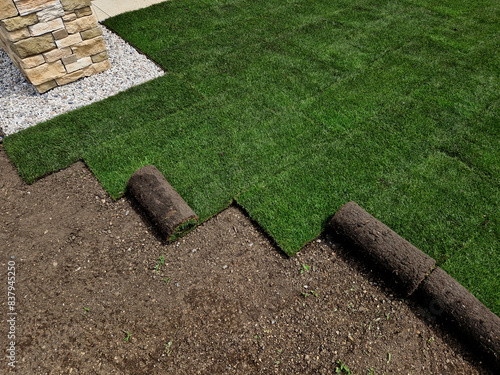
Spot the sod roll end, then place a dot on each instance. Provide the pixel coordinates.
(446, 298)
(159, 200)
(406, 265)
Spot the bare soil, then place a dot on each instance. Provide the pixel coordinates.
(96, 292)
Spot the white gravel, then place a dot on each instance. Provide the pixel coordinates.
(21, 106)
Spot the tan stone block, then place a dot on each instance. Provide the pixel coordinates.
(57, 54)
(8, 9)
(17, 23)
(46, 27)
(70, 16)
(81, 24)
(3, 44)
(69, 41)
(31, 62)
(45, 73)
(34, 46)
(60, 34)
(71, 77)
(83, 12)
(75, 4)
(100, 57)
(4, 35)
(16, 35)
(97, 68)
(69, 59)
(46, 86)
(80, 64)
(89, 47)
(92, 33)
(50, 13)
(31, 6)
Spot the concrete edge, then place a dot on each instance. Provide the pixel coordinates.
(166, 209)
(435, 290)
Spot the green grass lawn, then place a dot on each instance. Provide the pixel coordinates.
(293, 108)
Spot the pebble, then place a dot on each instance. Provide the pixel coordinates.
(21, 106)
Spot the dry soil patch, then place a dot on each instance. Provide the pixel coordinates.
(93, 298)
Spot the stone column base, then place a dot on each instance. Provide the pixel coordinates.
(52, 42)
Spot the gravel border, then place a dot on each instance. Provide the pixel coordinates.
(21, 106)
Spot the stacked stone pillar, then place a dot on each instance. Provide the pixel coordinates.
(52, 42)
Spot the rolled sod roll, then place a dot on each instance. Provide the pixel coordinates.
(444, 297)
(159, 200)
(405, 265)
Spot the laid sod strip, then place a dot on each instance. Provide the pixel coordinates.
(295, 108)
(469, 265)
(66, 139)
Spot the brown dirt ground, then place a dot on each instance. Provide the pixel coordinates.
(225, 301)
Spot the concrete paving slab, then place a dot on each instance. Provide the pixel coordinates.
(108, 8)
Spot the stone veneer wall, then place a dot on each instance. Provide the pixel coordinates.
(53, 42)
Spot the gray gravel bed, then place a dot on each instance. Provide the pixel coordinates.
(21, 106)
